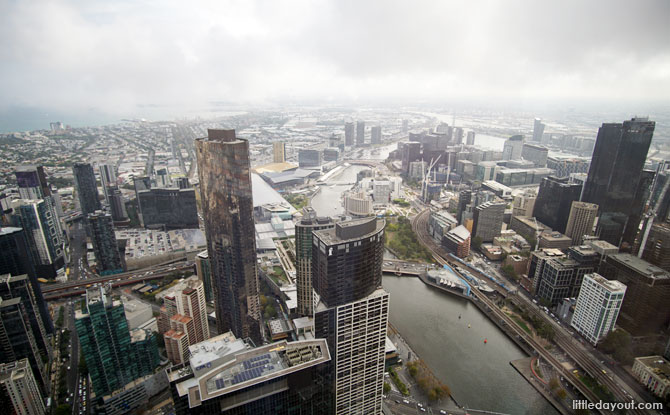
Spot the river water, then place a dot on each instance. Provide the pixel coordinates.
(479, 375)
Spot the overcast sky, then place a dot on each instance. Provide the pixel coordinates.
(115, 55)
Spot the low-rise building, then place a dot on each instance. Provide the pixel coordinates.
(457, 240)
(654, 373)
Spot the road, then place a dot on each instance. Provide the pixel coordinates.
(578, 354)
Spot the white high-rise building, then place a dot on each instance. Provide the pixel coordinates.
(19, 383)
(513, 147)
(597, 307)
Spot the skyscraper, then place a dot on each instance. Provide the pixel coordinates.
(512, 148)
(112, 357)
(16, 259)
(349, 134)
(470, 139)
(615, 177)
(538, 130)
(227, 208)
(18, 339)
(104, 243)
(32, 182)
(86, 187)
(278, 152)
(117, 205)
(107, 179)
(536, 154)
(19, 287)
(352, 311)
(303, 255)
(18, 382)
(376, 134)
(581, 220)
(554, 201)
(597, 307)
(360, 133)
(203, 268)
(43, 233)
(488, 220)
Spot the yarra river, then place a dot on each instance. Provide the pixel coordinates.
(479, 375)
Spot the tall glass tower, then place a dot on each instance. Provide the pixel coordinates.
(227, 207)
(615, 177)
(352, 311)
(87, 189)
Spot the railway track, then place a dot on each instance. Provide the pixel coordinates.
(420, 226)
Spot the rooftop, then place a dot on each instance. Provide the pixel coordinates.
(657, 364)
(640, 266)
(609, 285)
(351, 230)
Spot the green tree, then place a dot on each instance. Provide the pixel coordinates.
(387, 387)
(63, 409)
(477, 242)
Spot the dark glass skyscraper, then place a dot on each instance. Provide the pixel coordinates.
(352, 311)
(303, 255)
(615, 177)
(227, 208)
(87, 189)
(16, 259)
(554, 201)
(104, 243)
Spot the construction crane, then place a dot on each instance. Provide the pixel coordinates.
(650, 216)
(427, 173)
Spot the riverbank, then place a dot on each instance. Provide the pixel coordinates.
(523, 366)
(473, 369)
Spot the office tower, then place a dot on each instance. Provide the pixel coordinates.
(470, 139)
(203, 269)
(107, 178)
(309, 158)
(538, 130)
(187, 315)
(226, 376)
(168, 208)
(43, 233)
(405, 126)
(615, 177)
(117, 205)
(331, 154)
(227, 208)
(19, 384)
(303, 256)
(352, 311)
(536, 154)
(360, 133)
(512, 148)
(657, 247)
(554, 201)
(86, 187)
(488, 220)
(561, 276)
(645, 309)
(19, 287)
(457, 240)
(410, 152)
(458, 135)
(16, 259)
(376, 134)
(278, 152)
(581, 220)
(32, 182)
(523, 204)
(464, 198)
(112, 356)
(104, 242)
(597, 307)
(348, 134)
(18, 339)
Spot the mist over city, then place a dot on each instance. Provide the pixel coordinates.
(334, 207)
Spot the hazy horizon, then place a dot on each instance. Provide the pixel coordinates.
(120, 59)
